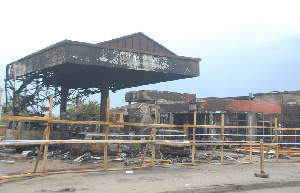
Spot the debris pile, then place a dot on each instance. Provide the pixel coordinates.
(86, 158)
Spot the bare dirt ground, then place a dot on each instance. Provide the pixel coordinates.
(175, 178)
(163, 178)
(14, 163)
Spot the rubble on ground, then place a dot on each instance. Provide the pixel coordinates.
(65, 160)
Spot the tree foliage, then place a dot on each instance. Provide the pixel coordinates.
(89, 109)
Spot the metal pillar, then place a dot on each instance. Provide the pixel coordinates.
(104, 89)
(63, 110)
(64, 99)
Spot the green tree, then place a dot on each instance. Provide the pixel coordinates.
(89, 109)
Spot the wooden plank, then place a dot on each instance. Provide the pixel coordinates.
(40, 151)
(50, 105)
(276, 136)
(194, 146)
(247, 127)
(20, 176)
(150, 125)
(250, 138)
(281, 150)
(287, 129)
(161, 160)
(154, 135)
(214, 149)
(64, 172)
(14, 118)
(146, 148)
(113, 123)
(50, 120)
(222, 138)
(46, 149)
(153, 147)
(79, 122)
(262, 156)
(45, 134)
(194, 137)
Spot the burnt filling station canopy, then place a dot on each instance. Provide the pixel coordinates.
(124, 62)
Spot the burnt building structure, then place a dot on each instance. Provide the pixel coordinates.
(69, 68)
(290, 113)
(178, 108)
(290, 104)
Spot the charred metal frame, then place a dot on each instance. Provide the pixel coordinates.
(68, 69)
(28, 94)
(27, 91)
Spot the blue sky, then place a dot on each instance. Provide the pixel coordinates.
(245, 46)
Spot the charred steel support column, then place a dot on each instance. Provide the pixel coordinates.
(63, 109)
(104, 89)
(64, 98)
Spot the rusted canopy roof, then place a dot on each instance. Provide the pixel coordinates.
(128, 61)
